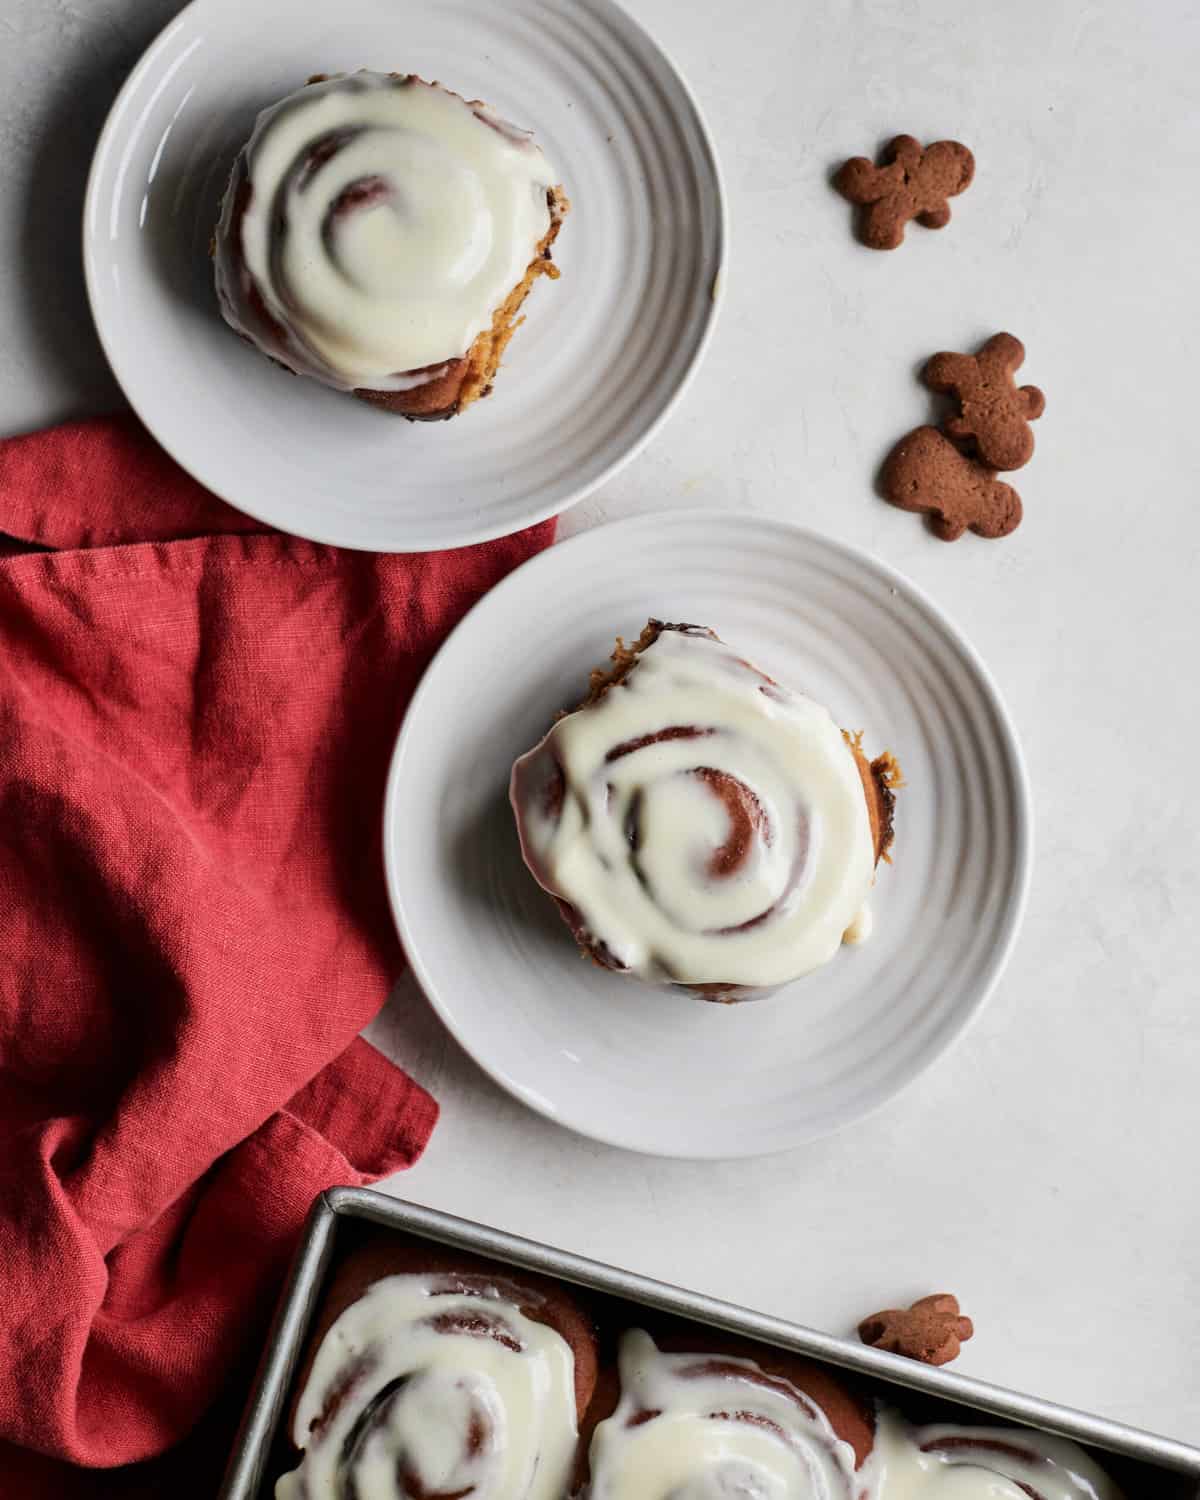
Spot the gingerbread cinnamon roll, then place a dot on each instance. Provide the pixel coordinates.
(380, 233)
(701, 826)
(704, 1416)
(436, 1376)
(702, 1426)
(949, 1462)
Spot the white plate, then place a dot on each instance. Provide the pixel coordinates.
(605, 353)
(663, 1073)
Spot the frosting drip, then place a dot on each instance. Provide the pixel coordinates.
(428, 1392)
(381, 221)
(691, 1427)
(705, 825)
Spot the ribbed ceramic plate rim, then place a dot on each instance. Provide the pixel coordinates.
(606, 544)
(564, 488)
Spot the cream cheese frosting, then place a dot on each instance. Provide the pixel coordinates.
(705, 824)
(713, 1436)
(688, 1428)
(422, 1388)
(950, 1462)
(380, 221)
(463, 1394)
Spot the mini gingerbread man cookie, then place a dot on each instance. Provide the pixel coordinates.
(910, 182)
(926, 472)
(931, 1330)
(995, 412)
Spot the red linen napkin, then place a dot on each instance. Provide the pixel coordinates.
(195, 723)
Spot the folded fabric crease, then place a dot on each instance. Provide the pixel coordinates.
(196, 718)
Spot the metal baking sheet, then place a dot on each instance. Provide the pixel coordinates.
(1170, 1469)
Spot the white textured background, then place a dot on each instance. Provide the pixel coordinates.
(1047, 1170)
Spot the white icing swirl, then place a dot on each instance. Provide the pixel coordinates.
(694, 1427)
(706, 825)
(948, 1462)
(382, 221)
(420, 1389)
(424, 1390)
(700, 1427)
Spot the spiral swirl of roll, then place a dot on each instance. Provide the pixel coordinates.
(986, 1461)
(701, 824)
(421, 1392)
(699, 1427)
(373, 225)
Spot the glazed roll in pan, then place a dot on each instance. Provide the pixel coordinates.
(433, 1375)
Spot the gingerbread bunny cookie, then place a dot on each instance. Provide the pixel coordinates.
(995, 412)
(910, 182)
(926, 472)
